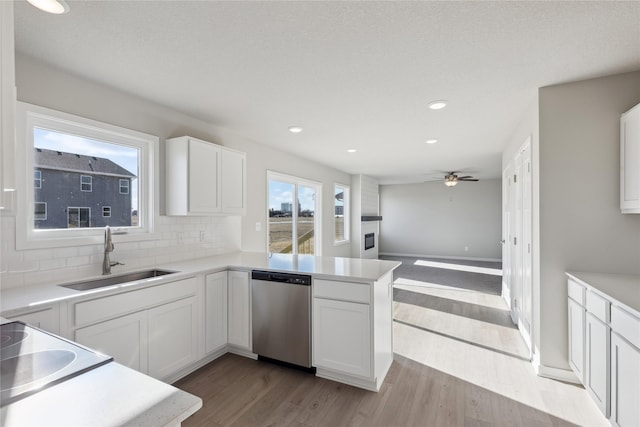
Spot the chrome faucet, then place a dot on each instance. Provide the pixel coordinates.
(108, 248)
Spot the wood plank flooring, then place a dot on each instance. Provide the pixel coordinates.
(458, 362)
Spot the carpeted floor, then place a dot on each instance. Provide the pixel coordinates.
(487, 283)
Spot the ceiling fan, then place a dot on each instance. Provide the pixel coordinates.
(451, 179)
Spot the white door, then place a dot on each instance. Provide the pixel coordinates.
(625, 383)
(507, 176)
(342, 336)
(597, 336)
(215, 294)
(173, 337)
(239, 312)
(576, 338)
(515, 202)
(526, 276)
(124, 339)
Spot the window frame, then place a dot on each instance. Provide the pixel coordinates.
(346, 214)
(318, 214)
(120, 186)
(90, 183)
(45, 211)
(39, 179)
(106, 216)
(32, 116)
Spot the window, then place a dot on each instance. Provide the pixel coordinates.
(293, 208)
(340, 214)
(79, 217)
(113, 166)
(40, 211)
(124, 186)
(85, 183)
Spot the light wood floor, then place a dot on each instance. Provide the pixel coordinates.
(458, 361)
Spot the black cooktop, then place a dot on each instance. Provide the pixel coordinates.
(32, 359)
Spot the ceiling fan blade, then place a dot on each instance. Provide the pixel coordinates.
(463, 179)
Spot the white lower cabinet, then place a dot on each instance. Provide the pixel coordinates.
(604, 333)
(123, 338)
(154, 330)
(173, 337)
(576, 316)
(597, 336)
(239, 309)
(215, 311)
(351, 329)
(46, 318)
(625, 383)
(342, 336)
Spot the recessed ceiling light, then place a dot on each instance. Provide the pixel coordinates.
(431, 141)
(56, 7)
(295, 129)
(351, 150)
(437, 105)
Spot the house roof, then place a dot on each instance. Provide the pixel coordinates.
(60, 160)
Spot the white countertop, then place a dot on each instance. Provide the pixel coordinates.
(623, 288)
(345, 269)
(110, 395)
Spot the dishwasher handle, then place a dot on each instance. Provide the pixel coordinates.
(271, 276)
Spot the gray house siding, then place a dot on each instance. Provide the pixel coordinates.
(61, 190)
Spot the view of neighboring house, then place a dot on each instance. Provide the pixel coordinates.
(73, 190)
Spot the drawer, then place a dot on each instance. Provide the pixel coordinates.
(115, 305)
(626, 325)
(345, 291)
(576, 292)
(598, 306)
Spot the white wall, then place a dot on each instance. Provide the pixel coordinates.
(581, 227)
(364, 201)
(431, 219)
(40, 84)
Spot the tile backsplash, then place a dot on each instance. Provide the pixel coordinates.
(176, 239)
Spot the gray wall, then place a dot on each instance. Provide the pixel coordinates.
(49, 87)
(431, 219)
(581, 227)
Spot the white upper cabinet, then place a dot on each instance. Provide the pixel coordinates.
(204, 178)
(630, 161)
(232, 180)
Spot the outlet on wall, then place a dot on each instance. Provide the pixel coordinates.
(203, 236)
(258, 226)
(466, 248)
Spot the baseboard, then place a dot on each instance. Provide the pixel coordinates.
(441, 257)
(566, 375)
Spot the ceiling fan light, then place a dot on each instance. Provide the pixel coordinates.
(450, 183)
(57, 7)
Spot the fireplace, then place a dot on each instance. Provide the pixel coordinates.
(369, 241)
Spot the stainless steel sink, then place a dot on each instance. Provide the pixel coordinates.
(116, 280)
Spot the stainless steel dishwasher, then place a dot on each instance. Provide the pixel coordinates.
(281, 316)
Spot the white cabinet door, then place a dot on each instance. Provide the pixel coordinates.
(204, 191)
(630, 161)
(625, 383)
(239, 327)
(597, 377)
(342, 337)
(215, 327)
(232, 181)
(173, 337)
(576, 338)
(46, 318)
(123, 338)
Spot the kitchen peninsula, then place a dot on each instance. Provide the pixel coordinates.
(169, 326)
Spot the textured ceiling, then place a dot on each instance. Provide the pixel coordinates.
(352, 74)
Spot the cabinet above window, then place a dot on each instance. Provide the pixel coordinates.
(204, 178)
